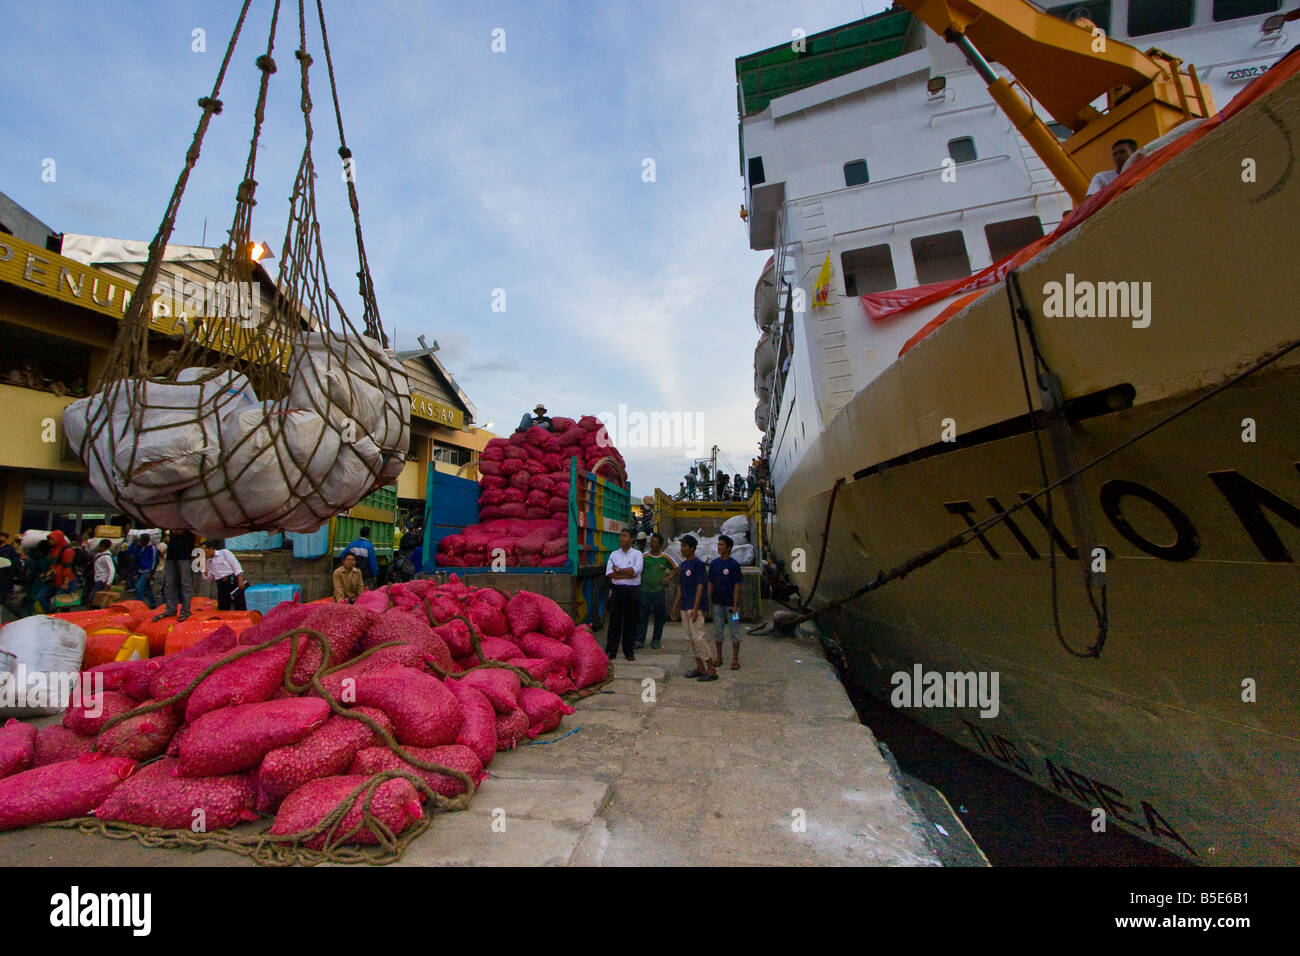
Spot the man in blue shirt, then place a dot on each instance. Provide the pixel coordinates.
(366, 560)
(691, 588)
(724, 596)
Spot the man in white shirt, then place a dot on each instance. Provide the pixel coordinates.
(1120, 152)
(223, 567)
(105, 571)
(623, 571)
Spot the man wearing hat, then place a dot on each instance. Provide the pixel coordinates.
(537, 419)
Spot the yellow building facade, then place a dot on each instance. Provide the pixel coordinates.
(62, 298)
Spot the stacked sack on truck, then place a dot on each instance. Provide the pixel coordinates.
(524, 495)
(206, 453)
(235, 728)
(706, 548)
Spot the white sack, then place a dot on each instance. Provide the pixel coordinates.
(156, 434)
(31, 539)
(353, 378)
(735, 524)
(42, 645)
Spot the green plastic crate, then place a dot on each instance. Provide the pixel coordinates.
(347, 530)
(599, 508)
(385, 499)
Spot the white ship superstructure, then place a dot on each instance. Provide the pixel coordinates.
(905, 172)
(878, 145)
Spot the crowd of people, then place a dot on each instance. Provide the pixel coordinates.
(30, 375)
(638, 583)
(701, 483)
(66, 570)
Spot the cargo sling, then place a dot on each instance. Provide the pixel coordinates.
(245, 416)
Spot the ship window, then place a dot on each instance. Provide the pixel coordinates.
(1157, 16)
(1098, 13)
(868, 270)
(962, 150)
(1012, 236)
(940, 257)
(756, 177)
(1236, 9)
(855, 173)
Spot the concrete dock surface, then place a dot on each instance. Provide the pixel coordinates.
(768, 765)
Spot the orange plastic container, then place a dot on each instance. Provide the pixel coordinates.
(253, 616)
(156, 633)
(88, 621)
(187, 634)
(102, 646)
(116, 620)
(202, 604)
(129, 606)
(82, 618)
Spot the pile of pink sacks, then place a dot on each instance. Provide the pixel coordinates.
(524, 495)
(240, 744)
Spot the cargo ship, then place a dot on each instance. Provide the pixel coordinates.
(953, 320)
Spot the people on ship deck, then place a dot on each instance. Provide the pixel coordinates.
(1120, 151)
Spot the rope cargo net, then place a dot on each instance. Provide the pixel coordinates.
(256, 416)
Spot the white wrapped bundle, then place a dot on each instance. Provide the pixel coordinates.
(164, 513)
(159, 432)
(346, 480)
(356, 379)
(736, 524)
(31, 539)
(251, 475)
(205, 454)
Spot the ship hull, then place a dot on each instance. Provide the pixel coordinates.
(1185, 730)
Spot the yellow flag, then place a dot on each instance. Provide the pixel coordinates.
(822, 290)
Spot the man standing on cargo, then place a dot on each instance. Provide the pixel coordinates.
(690, 595)
(623, 571)
(178, 578)
(657, 569)
(724, 596)
(365, 551)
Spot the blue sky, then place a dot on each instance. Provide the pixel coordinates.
(476, 171)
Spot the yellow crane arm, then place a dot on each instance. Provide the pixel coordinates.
(1066, 67)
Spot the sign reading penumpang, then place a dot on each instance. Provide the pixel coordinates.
(219, 316)
(48, 273)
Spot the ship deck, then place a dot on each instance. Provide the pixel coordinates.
(719, 773)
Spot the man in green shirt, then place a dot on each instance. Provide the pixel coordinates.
(657, 570)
